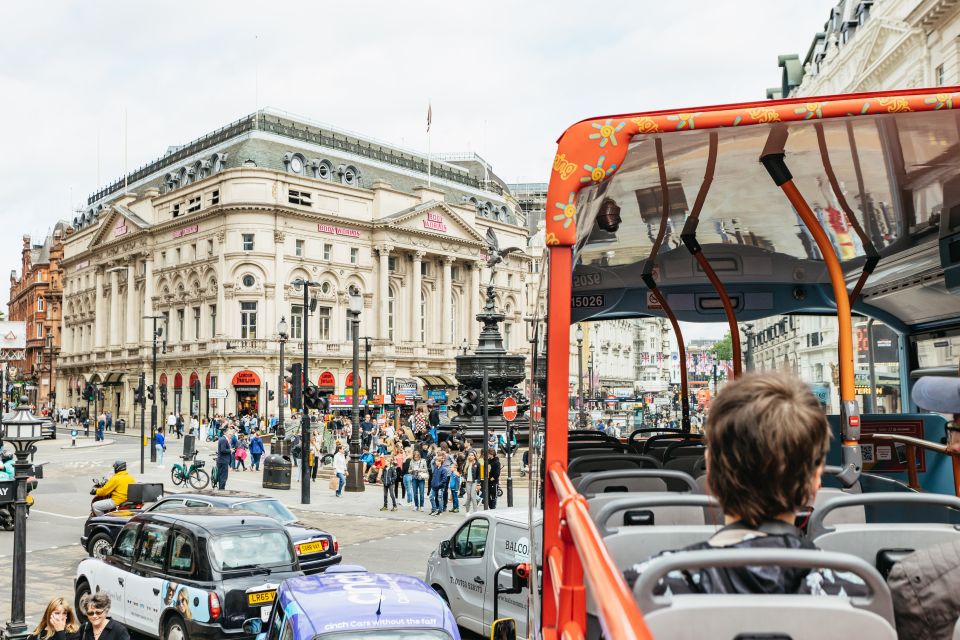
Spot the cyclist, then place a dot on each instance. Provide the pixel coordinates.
(114, 492)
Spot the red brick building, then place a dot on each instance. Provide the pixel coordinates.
(36, 297)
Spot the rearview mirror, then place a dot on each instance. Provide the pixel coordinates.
(503, 629)
(252, 626)
(446, 550)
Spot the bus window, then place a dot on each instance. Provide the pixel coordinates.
(938, 352)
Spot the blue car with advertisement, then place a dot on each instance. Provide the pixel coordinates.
(350, 602)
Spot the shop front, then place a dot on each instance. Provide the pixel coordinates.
(246, 386)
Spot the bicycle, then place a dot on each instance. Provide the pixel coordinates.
(194, 475)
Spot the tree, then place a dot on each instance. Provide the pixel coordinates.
(723, 348)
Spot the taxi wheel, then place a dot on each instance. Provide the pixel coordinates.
(82, 589)
(175, 629)
(100, 546)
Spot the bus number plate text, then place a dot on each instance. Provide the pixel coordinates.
(586, 302)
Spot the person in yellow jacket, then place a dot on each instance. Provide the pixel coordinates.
(114, 492)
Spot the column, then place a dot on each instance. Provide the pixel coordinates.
(114, 326)
(280, 280)
(475, 297)
(148, 299)
(204, 324)
(416, 296)
(131, 338)
(223, 313)
(446, 299)
(100, 319)
(383, 289)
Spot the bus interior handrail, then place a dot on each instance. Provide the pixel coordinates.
(619, 614)
(913, 478)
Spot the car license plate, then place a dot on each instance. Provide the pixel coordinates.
(261, 597)
(312, 547)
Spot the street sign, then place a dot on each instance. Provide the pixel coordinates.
(217, 393)
(509, 409)
(537, 409)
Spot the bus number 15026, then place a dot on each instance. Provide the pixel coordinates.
(581, 302)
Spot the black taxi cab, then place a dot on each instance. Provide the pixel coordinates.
(192, 573)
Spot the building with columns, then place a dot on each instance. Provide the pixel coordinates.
(209, 238)
(36, 299)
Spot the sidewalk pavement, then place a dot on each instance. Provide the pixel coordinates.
(86, 443)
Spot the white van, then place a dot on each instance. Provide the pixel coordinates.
(462, 569)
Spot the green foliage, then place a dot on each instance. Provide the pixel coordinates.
(723, 348)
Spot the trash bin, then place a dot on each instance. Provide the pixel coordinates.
(121, 426)
(276, 472)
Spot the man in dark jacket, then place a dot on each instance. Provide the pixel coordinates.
(493, 468)
(767, 444)
(224, 458)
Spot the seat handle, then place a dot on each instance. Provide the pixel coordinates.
(817, 527)
(650, 500)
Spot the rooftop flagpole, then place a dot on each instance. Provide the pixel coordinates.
(429, 146)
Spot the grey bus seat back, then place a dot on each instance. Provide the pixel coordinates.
(609, 462)
(702, 507)
(634, 480)
(702, 486)
(798, 616)
(663, 515)
(854, 514)
(866, 539)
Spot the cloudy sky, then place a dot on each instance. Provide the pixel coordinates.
(504, 78)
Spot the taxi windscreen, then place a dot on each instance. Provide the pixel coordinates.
(269, 548)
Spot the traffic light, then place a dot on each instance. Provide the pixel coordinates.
(271, 395)
(311, 396)
(88, 392)
(138, 394)
(471, 404)
(293, 376)
(151, 392)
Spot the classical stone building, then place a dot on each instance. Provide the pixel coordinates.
(36, 298)
(210, 237)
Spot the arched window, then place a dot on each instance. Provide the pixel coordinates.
(423, 317)
(453, 320)
(391, 308)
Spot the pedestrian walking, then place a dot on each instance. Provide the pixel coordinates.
(59, 622)
(241, 452)
(99, 626)
(161, 446)
(493, 468)
(407, 478)
(179, 426)
(194, 426)
(438, 482)
(256, 451)
(389, 478)
(109, 420)
(420, 474)
(340, 468)
(101, 425)
(316, 453)
(234, 445)
(471, 475)
(224, 459)
(454, 488)
(171, 423)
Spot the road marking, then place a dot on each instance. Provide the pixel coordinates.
(59, 515)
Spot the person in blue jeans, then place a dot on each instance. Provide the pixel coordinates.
(161, 446)
(340, 468)
(256, 450)
(438, 482)
(455, 481)
(419, 473)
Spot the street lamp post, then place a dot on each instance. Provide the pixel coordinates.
(281, 432)
(355, 468)
(51, 393)
(594, 391)
(156, 333)
(748, 333)
(22, 430)
(583, 414)
(305, 421)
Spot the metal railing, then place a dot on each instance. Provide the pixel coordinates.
(583, 555)
(912, 446)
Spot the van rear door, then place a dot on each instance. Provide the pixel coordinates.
(510, 544)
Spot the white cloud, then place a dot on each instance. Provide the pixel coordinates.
(505, 78)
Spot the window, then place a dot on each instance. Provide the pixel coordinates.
(354, 255)
(196, 323)
(326, 287)
(423, 318)
(471, 540)
(163, 258)
(939, 75)
(248, 280)
(390, 310)
(39, 330)
(181, 554)
(298, 248)
(167, 505)
(455, 272)
(349, 332)
(181, 324)
(153, 544)
(507, 330)
(213, 320)
(248, 320)
(193, 204)
(509, 280)
(323, 315)
(215, 197)
(424, 268)
(296, 322)
(39, 276)
(209, 247)
(178, 256)
(327, 250)
(40, 304)
(247, 241)
(299, 197)
(125, 544)
(175, 210)
(193, 251)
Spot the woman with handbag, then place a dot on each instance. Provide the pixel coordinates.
(419, 476)
(471, 475)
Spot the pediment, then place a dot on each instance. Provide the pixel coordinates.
(883, 43)
(435, 219)
(119, 224)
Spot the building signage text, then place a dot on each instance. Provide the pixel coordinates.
(435, 222)
(186, 231)
(82, 265)
(338, 231)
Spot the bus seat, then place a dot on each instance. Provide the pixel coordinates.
(609, 462)
(633, 481)
(798, 617)
(702, 487)
(853, 514)
(695, 465)
(924, 520)
(610, 513)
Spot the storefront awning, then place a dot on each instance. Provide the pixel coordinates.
(438, 380)
(113, 379)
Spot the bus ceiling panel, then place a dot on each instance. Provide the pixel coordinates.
(918, 304)
(893, 169)
(908, 265)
